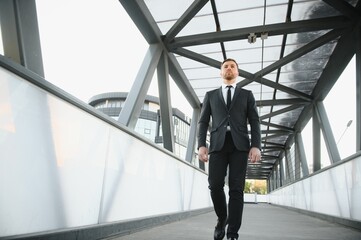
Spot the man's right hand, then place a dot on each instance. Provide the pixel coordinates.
(203, 154)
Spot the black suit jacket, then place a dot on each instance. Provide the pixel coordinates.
(242, 111)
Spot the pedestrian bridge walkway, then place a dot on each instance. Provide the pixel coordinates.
(260, 222)
(70, 172)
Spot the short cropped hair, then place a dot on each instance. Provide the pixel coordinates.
(230, 60)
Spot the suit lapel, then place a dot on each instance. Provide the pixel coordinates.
(220, 96)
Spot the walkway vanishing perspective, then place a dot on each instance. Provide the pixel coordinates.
(69, 171)
(260, 222)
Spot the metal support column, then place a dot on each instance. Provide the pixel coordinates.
(289, 174)
(302, 155)
(20, 33)
(135, 100)
(282, 177)
(193, 136)
(287, 166)
(297, 160)
(358, 90)
(275, 174)
(327, 133)
(316, 137)
(272, 180)
(165, 103)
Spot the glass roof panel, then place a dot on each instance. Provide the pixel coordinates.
(287, 78)
(283, 95)
(256, 54)
(209, 82)
(287, 119)
(205, 48)
(198, 25)
(189, 63)
(245, 13)
(165, 26)
(296, 76)
(303, 10)
(271, 41)
(201, 73)
(175, 9)
(260, 89)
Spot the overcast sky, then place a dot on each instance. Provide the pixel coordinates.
(91, 47)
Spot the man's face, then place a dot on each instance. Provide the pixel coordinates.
(229, 71)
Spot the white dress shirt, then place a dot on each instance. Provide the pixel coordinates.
(224, 92)
(225, 89)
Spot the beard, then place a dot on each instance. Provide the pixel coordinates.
(228, 76)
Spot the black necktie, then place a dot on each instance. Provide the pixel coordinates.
(229, 96)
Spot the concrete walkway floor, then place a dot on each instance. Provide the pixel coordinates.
(260, 222)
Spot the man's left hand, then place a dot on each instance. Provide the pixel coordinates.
(254, 155)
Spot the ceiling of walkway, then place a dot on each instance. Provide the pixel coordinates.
(290, 54)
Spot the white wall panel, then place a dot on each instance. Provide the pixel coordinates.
(335, 192)
(61, 167)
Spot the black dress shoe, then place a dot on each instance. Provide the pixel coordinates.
(219, 231)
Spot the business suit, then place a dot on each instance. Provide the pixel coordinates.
(242, 110)
(229, 148)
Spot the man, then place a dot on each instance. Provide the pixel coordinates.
(230, 146)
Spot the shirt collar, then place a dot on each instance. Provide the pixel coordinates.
(225, 85)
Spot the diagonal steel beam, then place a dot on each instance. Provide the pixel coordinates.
(182, 82)
(277, 126)
(287, 101)
(278, 112)
(185, 18)
(143, 19)
(135, 99)
(301, 51)
(344, 8)
(249, 76)
(272, 30)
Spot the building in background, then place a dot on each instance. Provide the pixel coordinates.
(149, 122)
